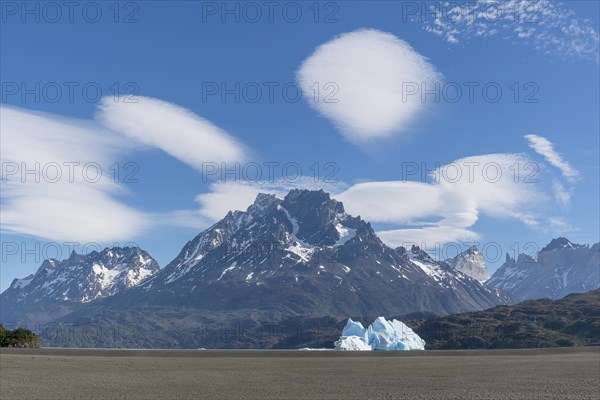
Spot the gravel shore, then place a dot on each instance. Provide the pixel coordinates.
(233, 374)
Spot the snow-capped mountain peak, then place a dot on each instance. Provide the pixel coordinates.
(559, 244)
(471, 263)
(560, 268)
(295, 253)
(82, 278)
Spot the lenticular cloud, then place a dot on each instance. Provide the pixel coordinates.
(365, 81)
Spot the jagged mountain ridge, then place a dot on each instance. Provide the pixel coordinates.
(304, 255)
(560, 268)
(78, 279)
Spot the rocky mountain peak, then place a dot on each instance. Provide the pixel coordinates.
(419, 254)
(84, 277)
(264, 201)
(559, 243)
(472, 250)
(319, 218)
(471, 263)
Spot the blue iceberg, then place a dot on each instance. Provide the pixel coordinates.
(380, 335)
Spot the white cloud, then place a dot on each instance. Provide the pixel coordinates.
(227, 196)
(391, 202)
(562, 195)
(546, 25)
(557, 225)
(545, 148)
(171, 128)
(61, 200)
(427, 237)
(455, 198)
(372, 71)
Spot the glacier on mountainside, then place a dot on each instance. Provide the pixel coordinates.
(380, 335)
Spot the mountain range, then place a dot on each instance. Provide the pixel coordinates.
(59, 286)
(300, 261)
(559, 269)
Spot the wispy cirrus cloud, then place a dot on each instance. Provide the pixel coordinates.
(561, 194)
(548, 26)
(545, 148)
(366, 72)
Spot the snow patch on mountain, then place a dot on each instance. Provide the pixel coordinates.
(345, 234)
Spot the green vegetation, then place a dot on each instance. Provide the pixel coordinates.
(19, 337)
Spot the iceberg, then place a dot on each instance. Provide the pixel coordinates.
(380, 335)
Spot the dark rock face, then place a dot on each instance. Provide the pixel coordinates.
(561, 268)
(316, 215)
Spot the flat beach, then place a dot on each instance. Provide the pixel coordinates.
(572, 373)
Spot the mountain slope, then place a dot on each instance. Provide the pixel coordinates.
(560, 268)
(57, 286)
(571, 321)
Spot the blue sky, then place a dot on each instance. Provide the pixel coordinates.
(176, 57)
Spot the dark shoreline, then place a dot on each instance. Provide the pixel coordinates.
(272, 353)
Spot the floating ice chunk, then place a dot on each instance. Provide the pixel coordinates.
(354, 328)
(314, 349)
(393, 335)
(352, 343)
(380, 335)
(354, 337)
